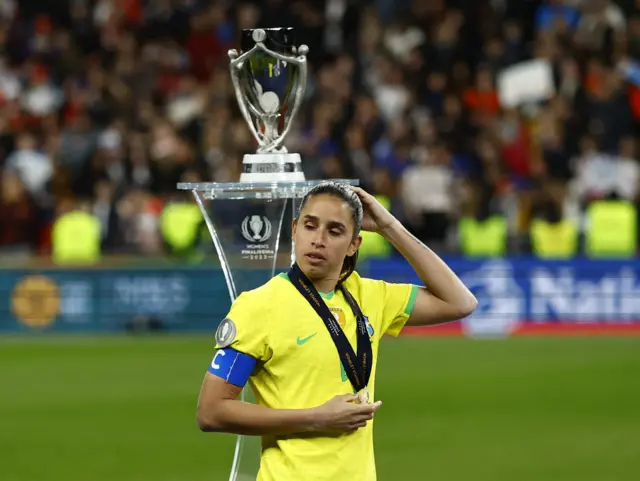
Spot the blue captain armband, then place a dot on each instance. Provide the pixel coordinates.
(232, 366)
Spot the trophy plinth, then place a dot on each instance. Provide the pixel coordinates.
(269, 78)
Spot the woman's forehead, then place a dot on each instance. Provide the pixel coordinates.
(327, 207)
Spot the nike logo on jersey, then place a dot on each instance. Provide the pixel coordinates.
(306, 339)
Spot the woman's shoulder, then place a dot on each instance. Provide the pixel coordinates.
(266, 294)
(372, 288)
(357, 283)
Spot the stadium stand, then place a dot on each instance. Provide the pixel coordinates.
(105, 105)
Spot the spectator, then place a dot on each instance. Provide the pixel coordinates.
(428, 195)
(33, 166)
(18, 215)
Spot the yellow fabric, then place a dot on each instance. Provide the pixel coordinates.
(486, 238)
(373, 244)
(75, 239)
(179, 224)
(611, 229)
(554, 241)
(269, 320)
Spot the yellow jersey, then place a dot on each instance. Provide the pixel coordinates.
(299, 367)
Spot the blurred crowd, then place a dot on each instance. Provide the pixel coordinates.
(106, 104)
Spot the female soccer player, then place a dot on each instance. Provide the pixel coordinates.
(307, 341)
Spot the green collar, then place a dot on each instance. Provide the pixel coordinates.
(324, 295)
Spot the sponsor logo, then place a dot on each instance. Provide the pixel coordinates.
(501, 301)
(305, 340)
(35, 301)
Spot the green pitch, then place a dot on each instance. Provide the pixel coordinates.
(536, 409)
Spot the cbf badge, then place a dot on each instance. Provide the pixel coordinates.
(226, 332)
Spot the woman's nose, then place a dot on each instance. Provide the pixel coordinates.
(318, 239)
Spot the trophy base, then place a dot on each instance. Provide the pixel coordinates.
(272, 168)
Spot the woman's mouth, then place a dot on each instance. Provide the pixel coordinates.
(314, 258)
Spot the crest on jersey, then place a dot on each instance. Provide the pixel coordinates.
(339, 316)
(226, 332)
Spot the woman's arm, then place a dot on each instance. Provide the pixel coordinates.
(445, 298)
(219, 410)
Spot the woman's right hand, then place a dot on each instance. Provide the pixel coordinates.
(343, 413)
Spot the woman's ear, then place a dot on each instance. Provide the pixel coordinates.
(354, 246)
(294, 225)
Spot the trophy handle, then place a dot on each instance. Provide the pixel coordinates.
(236, 63)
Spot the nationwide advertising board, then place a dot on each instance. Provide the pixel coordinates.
(531, 296)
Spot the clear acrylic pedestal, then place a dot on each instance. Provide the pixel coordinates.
(247, 225)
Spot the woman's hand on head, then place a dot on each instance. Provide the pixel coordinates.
(375, 217)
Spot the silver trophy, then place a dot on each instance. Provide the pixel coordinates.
(250, 221)
(269, 78)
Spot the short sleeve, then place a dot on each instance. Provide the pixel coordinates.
(398, 302)
(244, 327)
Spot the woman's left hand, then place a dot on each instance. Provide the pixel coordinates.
(375, 217)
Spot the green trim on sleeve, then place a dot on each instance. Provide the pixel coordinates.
(412, 300)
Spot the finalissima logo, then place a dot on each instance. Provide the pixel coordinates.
(256, 228)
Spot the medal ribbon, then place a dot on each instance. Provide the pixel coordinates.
(357, 366)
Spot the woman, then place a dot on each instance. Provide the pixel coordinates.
(292, 340)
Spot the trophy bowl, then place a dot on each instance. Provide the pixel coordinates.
(267, 80)
(269, 77)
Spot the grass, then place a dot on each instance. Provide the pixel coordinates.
(526, 409)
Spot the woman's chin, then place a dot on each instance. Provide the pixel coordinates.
(313, 269)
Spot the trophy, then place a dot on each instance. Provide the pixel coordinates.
(246, 219)
(269, 78)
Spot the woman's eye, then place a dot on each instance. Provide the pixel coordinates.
(308, 227)
(335, 232)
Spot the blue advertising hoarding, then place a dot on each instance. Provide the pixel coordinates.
(514, 295)
(105, 300)
(533, 295)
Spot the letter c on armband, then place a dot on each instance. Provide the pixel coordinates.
(215, 366)
(233, 366)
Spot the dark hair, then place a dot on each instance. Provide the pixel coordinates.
(345, 193)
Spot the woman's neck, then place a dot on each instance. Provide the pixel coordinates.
(324, 286)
